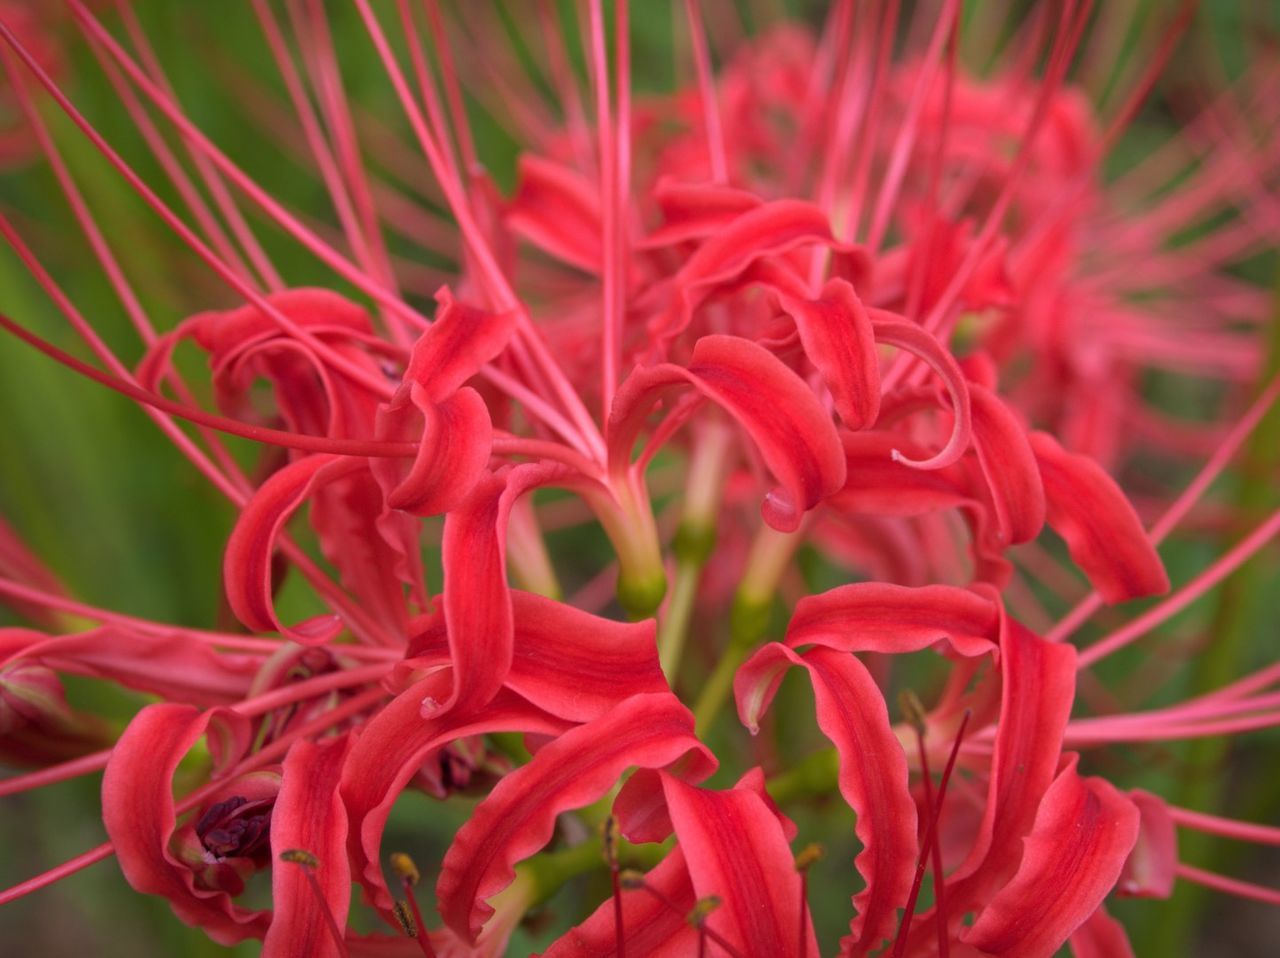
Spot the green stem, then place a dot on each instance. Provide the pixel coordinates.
(675, 625)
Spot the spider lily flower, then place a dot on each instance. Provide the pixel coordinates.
(785, 307)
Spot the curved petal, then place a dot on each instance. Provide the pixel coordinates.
(880, 617)
(915, 340)
(1083, 832)
(569, 663)
(837, 337)
(246, 567)
(737, 851)
(309, 816)
(1150, 871)
(518, 817)
(391, 749)
(1008, 465)
(1101, 936)
(652, 927)
(138, 812)
(692, 211)
(170, 664)
(460, 341)
(1102, 532)
(796, 437)
(558, 210)
(873, 772)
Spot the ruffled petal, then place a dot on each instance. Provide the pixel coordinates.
(1083, 832)
(873, 772)
(881, 617)
(1008, 465)
(518, 817)
(737, 851)
(138, 812)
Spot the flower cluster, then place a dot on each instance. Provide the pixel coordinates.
(834, 305)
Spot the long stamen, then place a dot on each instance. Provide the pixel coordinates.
(609, 848)
(808, 856)
(635, 881)
(309, 863)
(409, 876)
(929, 842)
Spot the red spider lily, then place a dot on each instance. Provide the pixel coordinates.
(852, 286)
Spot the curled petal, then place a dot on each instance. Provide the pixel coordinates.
(246, 567)
(455, 441)
(570, 663)
(873, 772)
(308, 816)
(518, 817)
(477, 599)
(737, 851)
(1009, 466)
(1102, 532)
(837, 337)
(391, 750)
(880, 617)
(460, 341)
(795, 435)
(695, 210)
(1083, 831)
(138, 812)
(915, 340)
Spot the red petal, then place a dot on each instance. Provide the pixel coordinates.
(1009, 466)
(170, 664)
(737, 851)
(1102, 532)
(455, 437)
(837, 337)
(915, 340)
(796, 437)
(518, 817)
(558, 210)
(308, 815)
(246, 567)
(695, 210)
(873, 772)
(879, 617)
(653, 928)
(1151, 869)
(459, 342)
(567, 662)
(391, 750)
(1101, 936)
(138, 812)
(1083, 831)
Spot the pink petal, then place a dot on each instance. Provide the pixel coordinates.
(1083, 831)
(1102, 532)
(652, 928)
(246, 567)
(308, 815)
(569, 663)
(880, 617)
(390, 751)
(873, 772)
(796, 437)
(1009, 466)
(558, 210)
(838, 339)
(518, 817)
(695, 210)
(460, 341)
(916, 340)
(1101, 936)
(1151, 869)
(138, 812)
(172, 664)
(737, 851)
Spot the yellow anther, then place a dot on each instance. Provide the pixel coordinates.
(404, 919)
(702, 908)
(404, 868)
(912, 710)
(298, 856)
(808, 856)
